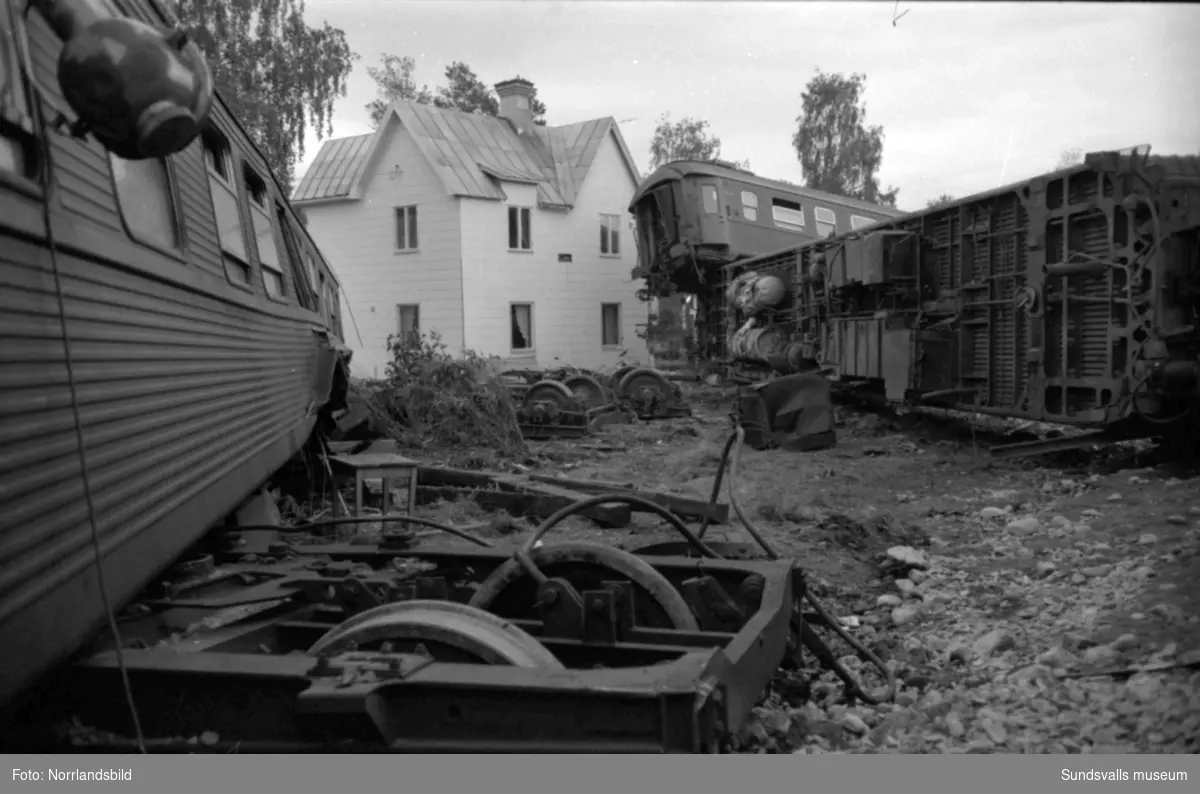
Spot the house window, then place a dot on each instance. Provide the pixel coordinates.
(610, 235)
(264, 235)
(406, 228)
(408, 321)
(225, 207)
(787, 214)
(711, 205)
(521, 319)
(520, 237)
(610, 324)
(749, 205)
(858, 221)
(146, 200)
(826, 221)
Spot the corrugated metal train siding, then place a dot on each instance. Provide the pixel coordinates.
(191, 177)
(175, 389)
(84, 179)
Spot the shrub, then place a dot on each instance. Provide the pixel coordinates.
(433, 398)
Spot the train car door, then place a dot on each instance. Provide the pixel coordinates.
(712, 210)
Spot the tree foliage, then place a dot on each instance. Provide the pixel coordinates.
(466, 92)
(945, 198)
(1069, 158)
(394, 81)
(279, 76)
(686, 139)
(838, 152)
(463, 90)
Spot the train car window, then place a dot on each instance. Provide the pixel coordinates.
(295, 265)
(146, 200)
(826, 221)
(264, 235)
(610, 235)
(318, 285)
(325, 302)
(15, 121)
(335, 310)
(858, 221)
(520, 236)
(787, 214)
(711, 205)
(749, 205)
(219, 159)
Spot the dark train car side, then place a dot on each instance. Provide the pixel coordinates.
(1071, 298)
(201, 352)
(693, 217)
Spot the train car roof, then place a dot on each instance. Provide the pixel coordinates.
(682, 168)
(1187, 166)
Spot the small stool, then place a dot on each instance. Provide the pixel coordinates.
(394, 472)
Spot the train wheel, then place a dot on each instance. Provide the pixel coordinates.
(511, 589)
(551, 391)
(615, 381)
(448, 630)
(588, 390)
(642, 379)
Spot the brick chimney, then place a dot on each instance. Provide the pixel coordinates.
(516, 103)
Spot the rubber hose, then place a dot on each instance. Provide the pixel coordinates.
(716, 488)
(809, 637)
(619, 498)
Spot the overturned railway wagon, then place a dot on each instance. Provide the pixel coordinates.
(169, 333)
(1072, 297)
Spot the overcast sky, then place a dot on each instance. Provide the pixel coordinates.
(970, 95)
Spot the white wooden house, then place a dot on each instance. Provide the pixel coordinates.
(505, 237)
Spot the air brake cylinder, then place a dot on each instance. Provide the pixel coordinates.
(141, 91)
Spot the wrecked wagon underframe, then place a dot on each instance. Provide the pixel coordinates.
(447, 647)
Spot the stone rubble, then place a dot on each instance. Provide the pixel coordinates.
(1010, 662)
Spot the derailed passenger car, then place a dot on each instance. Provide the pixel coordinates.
(170, 333)
(693, 217)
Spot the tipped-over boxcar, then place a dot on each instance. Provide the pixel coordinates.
(693, 217)
(1071, 298)
(169, 333)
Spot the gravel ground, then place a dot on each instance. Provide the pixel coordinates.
(1022, 608)
(1050, 610)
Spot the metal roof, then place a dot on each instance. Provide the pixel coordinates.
(333, 171)
(469, 152)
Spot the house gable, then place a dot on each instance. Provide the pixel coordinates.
(469, 153)
(618, 160)
(381, 271)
